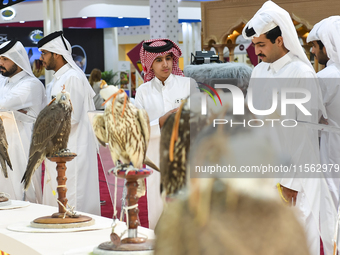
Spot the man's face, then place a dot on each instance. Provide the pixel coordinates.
(320, 55)
(48, 60)
(267, 51)
(7, 67)
(162, 66)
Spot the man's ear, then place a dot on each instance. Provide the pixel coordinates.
(56, 55)
(279, 41)
(324, 50)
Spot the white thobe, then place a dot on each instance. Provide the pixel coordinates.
(329, 79)
(82, 172)
(157, 99)
(300, 144)
(25, 92)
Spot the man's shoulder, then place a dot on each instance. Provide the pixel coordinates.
(31, 80)
(182, 78)
(329, 72)
(299, 65)
(71, 74)
(144, 86)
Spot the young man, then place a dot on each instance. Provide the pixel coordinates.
(276, 43)
(325, 37)
(82, 172)
(20, 91)
(160, 95)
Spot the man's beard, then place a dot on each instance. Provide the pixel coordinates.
(9, 72)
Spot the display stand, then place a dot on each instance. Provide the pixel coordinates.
(17, 126)
(4, 201)
(63, 218)
(132, 242)
(110, 179)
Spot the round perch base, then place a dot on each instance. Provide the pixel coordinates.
(109, 246)
(3, 199)
(5, 202)
(68, 222)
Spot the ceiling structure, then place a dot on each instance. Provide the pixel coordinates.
(98, 14)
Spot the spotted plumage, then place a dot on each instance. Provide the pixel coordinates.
(127, 133)
(178, 130)
(50, 133)
(4, 157)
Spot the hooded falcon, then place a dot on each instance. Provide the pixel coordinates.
(125, 128)
(50, 133)
(4, 157)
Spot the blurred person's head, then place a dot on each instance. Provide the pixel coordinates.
(96, 75)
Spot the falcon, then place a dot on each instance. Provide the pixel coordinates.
(4, 157)
(178, 131)
(125, 128)
(50, 133)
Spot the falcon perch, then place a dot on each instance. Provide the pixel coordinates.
(50, 133)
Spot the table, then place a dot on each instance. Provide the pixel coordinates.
(19, 243)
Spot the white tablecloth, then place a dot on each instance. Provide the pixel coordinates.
(21, 243)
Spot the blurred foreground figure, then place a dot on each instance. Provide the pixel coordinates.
(237, 224)
(222, 215)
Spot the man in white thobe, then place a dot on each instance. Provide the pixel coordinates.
(160, 95)
(22, 93)
(325, 37)
(82, 172)
(276, 43)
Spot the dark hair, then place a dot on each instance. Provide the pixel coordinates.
(273, 34)
(320, 44)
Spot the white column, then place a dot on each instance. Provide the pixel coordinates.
(111, 57)
(164, 19)
(197, 36)
(191, 40)
(52, 22)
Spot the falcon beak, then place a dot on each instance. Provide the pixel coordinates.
(63, 97)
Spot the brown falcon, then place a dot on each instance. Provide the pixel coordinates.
(125, 128)
(50, 133)
(4, 157)
(178, 131)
